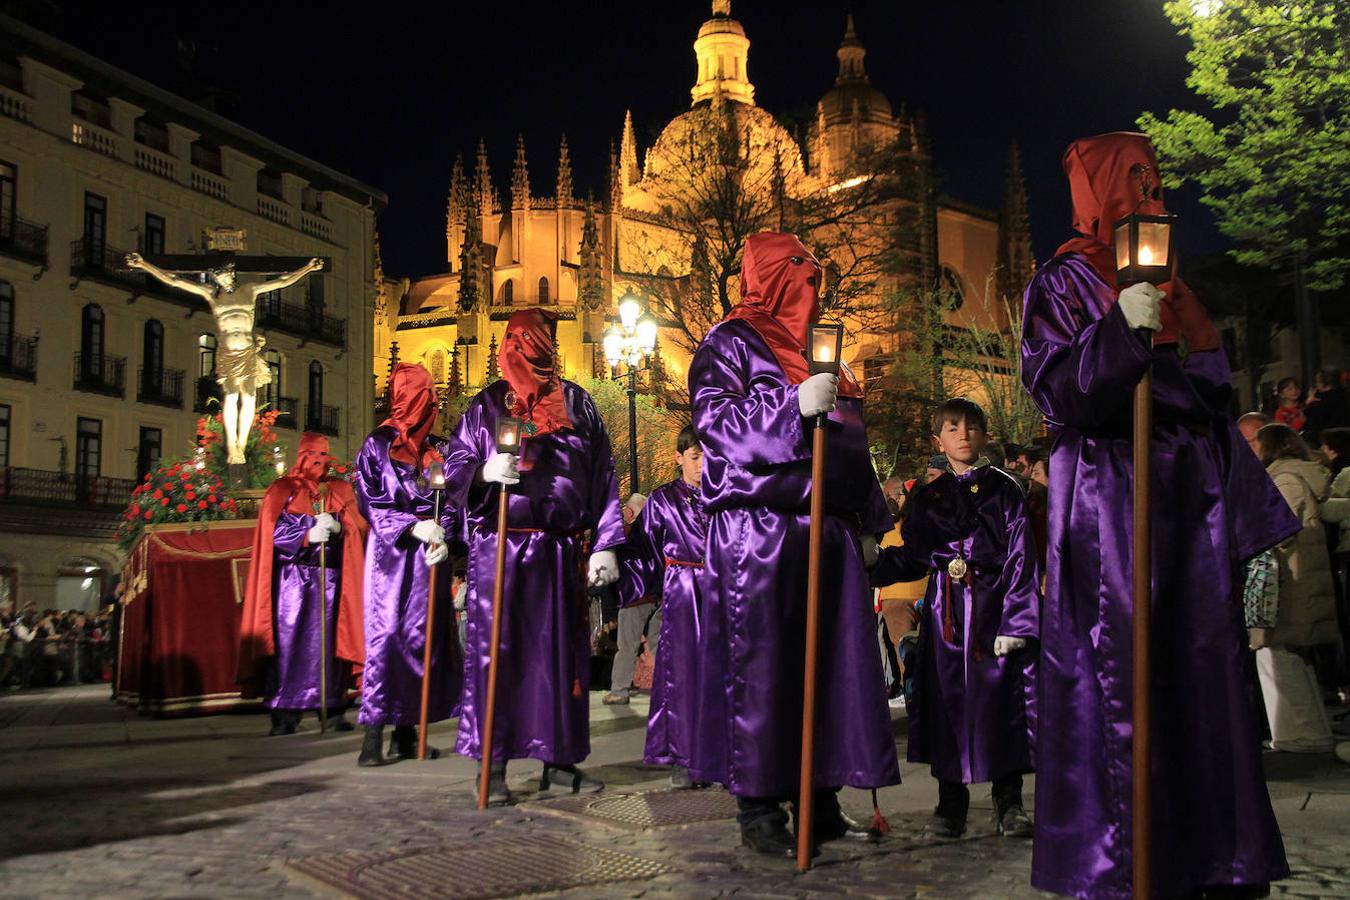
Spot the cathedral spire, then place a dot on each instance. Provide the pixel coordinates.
(1016, 263)
(628, 152)
(520, 177)
(590, 277)
(564, 189)
(615, 181)
(851, 55)
(484, 197)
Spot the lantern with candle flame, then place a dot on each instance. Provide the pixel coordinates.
(279, 460)
(825, 345)
(1143, 243)
(508, 435)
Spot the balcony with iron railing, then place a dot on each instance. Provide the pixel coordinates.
(321, 419)
(305, 322)
(208, 389)
(46, 488)
(18, 357)
(161, 387)
(101, 374)
(24, 240)
(99, 262)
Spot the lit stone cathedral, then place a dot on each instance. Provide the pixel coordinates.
(578, 256)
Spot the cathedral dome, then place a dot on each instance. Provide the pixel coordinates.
(690, 139)
(851, 87)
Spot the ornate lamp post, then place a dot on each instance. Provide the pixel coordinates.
(631, 342)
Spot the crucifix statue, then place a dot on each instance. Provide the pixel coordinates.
(214, 277)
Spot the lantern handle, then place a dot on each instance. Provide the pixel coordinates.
(1142, 173)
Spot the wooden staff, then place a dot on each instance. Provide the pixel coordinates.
(806, 788)
(323, 615)
(494, 645)
(437, 489)
(1141, 738)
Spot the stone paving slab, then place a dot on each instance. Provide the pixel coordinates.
(95, 802)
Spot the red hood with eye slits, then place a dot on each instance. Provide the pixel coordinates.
(527, 361)
(780, 300)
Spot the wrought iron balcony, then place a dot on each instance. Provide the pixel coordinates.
(208, 389)
(304, 322)
(39, 486)
(99, 262)
(24, 240)
(18, 358)
(322, 419)
(162, 387)
(101, 374)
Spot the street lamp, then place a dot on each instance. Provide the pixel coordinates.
(630, 341)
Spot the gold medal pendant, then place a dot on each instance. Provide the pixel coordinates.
(956, 569)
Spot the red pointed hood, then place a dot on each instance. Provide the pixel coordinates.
(412, 413)
(1105, 176)
(780, 299)
(528, 363)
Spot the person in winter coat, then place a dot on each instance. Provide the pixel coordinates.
(1306, 612)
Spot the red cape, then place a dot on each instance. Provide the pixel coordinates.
(256, 626)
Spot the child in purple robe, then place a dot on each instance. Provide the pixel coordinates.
(967, 532)
(663, 558)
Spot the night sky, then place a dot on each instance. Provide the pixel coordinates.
(393, 94)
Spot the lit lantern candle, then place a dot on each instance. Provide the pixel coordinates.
(278, 461)
(1143, 247)
(826, 342)
(438, 477)
(508, 435)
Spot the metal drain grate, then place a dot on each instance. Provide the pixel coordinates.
(485, 868)
(651, 809)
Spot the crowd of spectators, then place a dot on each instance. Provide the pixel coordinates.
(45, 648)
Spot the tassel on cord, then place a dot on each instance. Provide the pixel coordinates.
(879, 824)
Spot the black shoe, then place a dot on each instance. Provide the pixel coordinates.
(1014, 822)
(283, 722)
(770, 837)
(339, 722)
(568, 780)
(949, 818)
(370, 747)
(498, 793)
(403, 744)
(837, 826)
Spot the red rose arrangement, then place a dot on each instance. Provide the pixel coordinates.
(179, 492)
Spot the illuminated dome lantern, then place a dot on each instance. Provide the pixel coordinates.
(723, 53)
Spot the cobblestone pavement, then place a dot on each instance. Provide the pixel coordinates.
(95, 801)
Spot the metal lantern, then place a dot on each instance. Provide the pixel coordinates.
(1143, 248)
(825, 344)
(613, 343)
(630, 307)
(438, 477)
(508, 435)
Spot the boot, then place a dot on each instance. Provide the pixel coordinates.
(764, 827)
(403, 744)
(498, 793)
(829, 822)
(1011, 818)
(337, 721)
(949, 819)
(370, 747)
(279, 724)
(568, 779)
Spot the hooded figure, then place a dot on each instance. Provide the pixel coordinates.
(1214, 507)
(279, 642)
(561, 487)
(751, 397)
(393, 473)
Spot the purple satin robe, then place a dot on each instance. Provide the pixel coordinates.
(756, 489)
(567, 487)
(969, 719)
(292, 681)
(397, 585)
(1213, 507)
(664, 558)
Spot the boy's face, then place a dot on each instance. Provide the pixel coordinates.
(691, 464)
(961, 441)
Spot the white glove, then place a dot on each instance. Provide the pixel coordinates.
(1139, 303)
(603, 568)
(329, 521)
(318, 533)
(1003, 645)
(501, 468)
(428, 532)
(871, 551)
(816, 394)
(435, 554)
